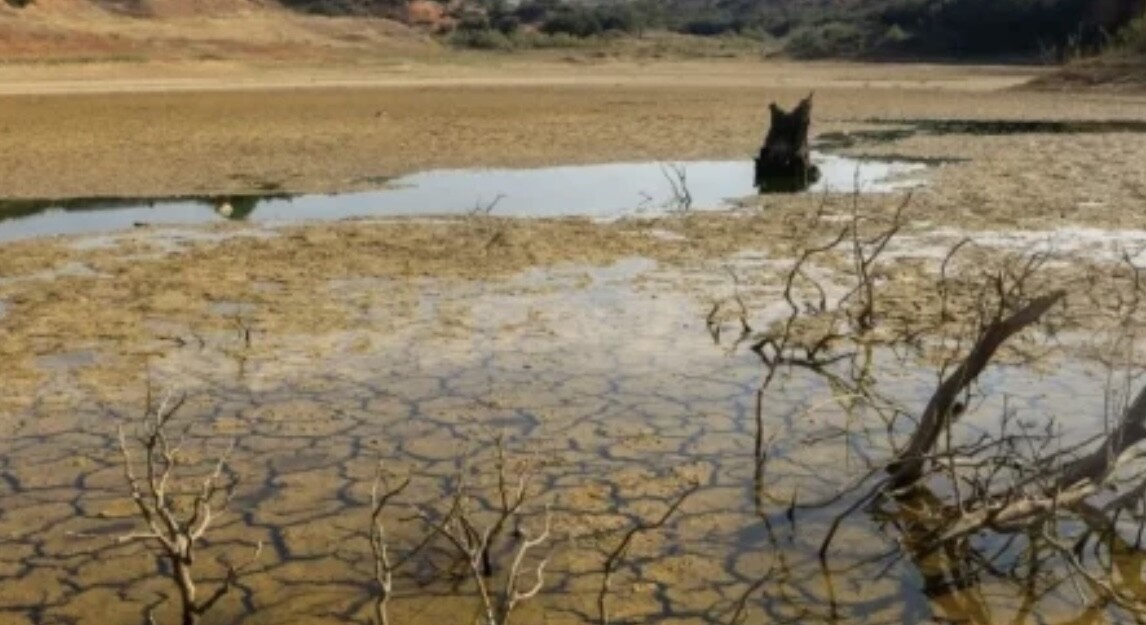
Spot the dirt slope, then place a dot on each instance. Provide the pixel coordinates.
(137, 30)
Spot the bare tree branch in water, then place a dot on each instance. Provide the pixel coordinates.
(474, 542)
(941, 408)
(482, 219)
(740, 610)
(811, 332)
(850, 313)
(380, 495)
(485, 210)
(1010, 314)
(618, 553)
(1024, 483)
(677, 177)
(177, 518)
(511, 496)
(471, 544)
(470, 525)
(865, 253)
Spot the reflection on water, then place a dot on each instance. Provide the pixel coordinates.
(609, 376)
(21, 219)
(601, 191)
(237, 207)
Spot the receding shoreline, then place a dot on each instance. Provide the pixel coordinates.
(181, 129)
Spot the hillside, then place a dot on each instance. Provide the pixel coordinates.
(191, 29)
(1121, 67)
(951, 29)
(947, 30)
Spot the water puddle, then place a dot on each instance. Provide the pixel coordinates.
(599, 191)
(904, 128)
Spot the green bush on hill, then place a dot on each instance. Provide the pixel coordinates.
(833, 39)
(575, 21)
(1131, 39)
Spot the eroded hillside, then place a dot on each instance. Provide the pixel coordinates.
(136, 30)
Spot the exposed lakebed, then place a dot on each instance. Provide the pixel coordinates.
(323, 348)
(605, 376)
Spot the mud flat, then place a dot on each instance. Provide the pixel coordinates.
(605, 349)
(322, 348)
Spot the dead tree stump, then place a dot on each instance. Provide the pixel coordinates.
(784, 163)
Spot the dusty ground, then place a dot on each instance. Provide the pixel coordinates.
(408, 339)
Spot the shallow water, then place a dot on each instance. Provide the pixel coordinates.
(607, 377)
(599, 191)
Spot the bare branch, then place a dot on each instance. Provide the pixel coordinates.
(176, 535)
(622, 548)
(909, 466)
(383, 569)
(474, 542)
(512, 596)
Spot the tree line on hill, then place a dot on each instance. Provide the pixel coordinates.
(947, 29)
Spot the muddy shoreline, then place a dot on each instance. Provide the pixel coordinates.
(247, 135)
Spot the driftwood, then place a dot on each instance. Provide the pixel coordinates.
(1068, 488)
(1002, 503)
(1030, 503)
(940, 410)
(784, 163)
(1052, 487)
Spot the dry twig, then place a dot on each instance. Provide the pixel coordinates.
(622, 548)
(177, 530)
(380, 496)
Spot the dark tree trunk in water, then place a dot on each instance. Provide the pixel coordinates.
(784, 163)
